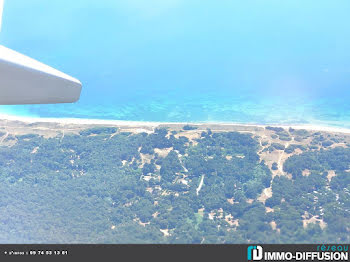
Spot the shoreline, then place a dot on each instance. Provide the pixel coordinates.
(125, 123)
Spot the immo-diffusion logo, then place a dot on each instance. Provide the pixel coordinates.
(255, 253)
(321, 253)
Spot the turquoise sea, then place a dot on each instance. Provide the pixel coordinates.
(265, 62)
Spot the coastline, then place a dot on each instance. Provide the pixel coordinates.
(136, 124)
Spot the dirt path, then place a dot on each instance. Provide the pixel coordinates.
(62, 136)
(200, 185)
(260, 142)
(282, 158)
(4, 137)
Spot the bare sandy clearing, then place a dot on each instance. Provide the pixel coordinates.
(163, 152)
(266, 194)
(307, 219)
(330, 175)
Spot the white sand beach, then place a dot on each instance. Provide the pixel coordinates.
(123, 123)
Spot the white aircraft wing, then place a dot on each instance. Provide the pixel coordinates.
(24, 80)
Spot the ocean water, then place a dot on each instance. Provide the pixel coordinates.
(266, 62)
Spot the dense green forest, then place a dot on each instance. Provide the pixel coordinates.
(106, 186)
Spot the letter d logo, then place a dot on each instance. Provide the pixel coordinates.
(255, 253)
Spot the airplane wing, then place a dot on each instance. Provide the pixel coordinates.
(24, 80)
